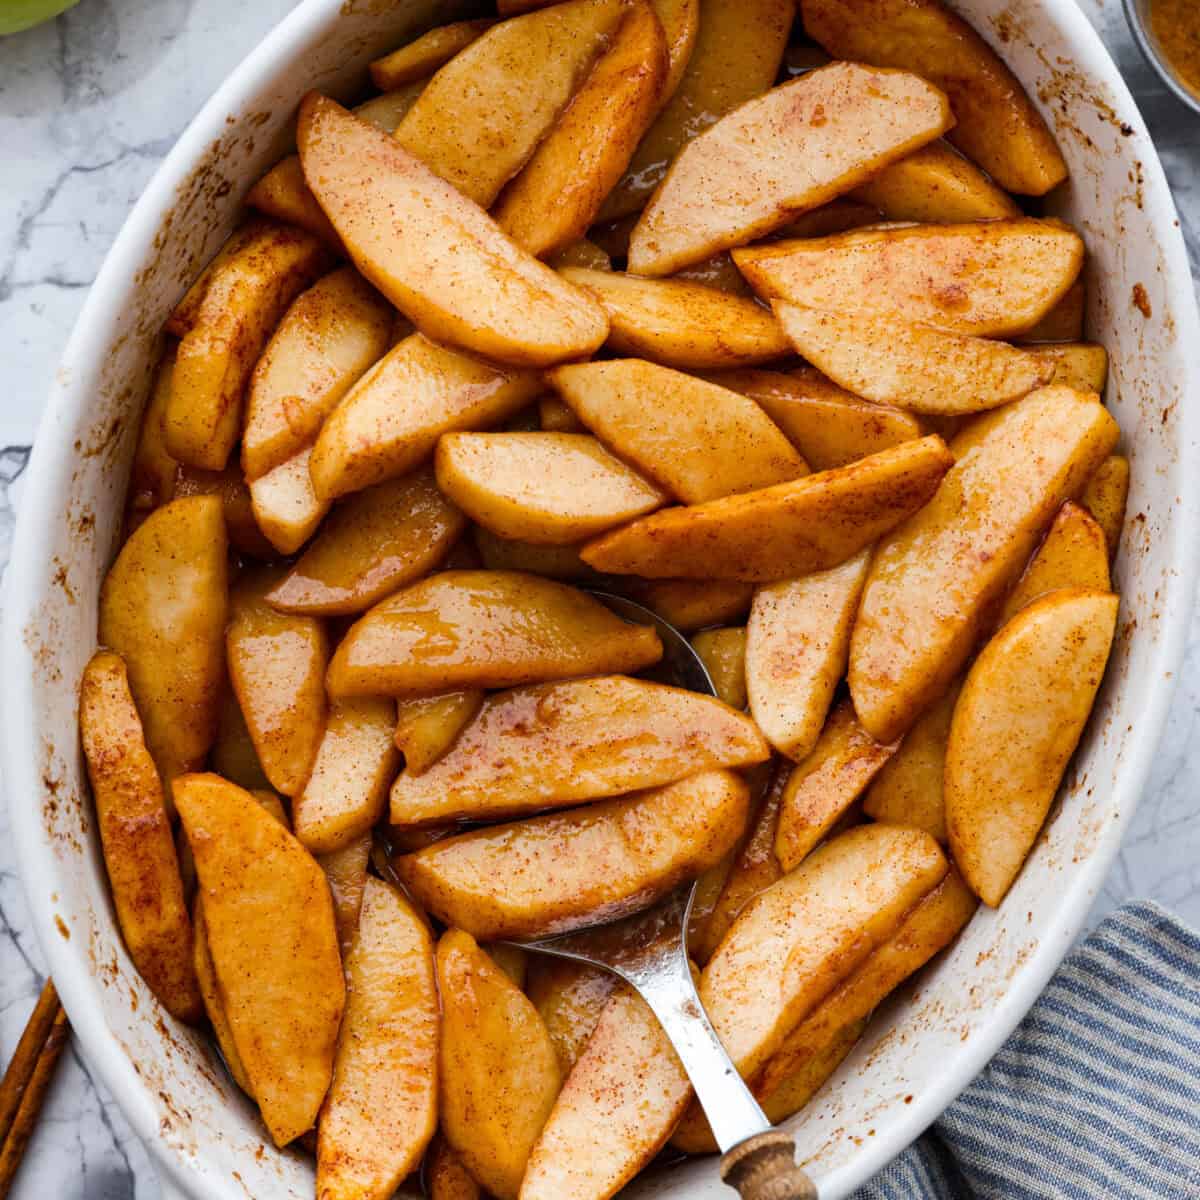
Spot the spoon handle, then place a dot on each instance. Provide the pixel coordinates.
(763, 1167)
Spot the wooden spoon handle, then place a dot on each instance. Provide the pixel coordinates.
(764, 1168)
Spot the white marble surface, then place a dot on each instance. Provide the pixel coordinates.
(88, 106)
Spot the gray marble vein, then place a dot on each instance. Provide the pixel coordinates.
(88, 107)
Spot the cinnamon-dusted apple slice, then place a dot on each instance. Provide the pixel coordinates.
(797, 645)
(214, 1006)
(892, 361)
(277, 667)
(435, 253)
(375, 541)
(732, 54)
(825, 783)
(1017, 722)
(154, 472)
(245, 297)
(544, 488)
(163, 608)
(784, 531)
(484, 629)
(1064, 322)
(787, 151)
(498, 1073)
(933, 582)
(936, 183)
(667, 424)
(445, 1175)
(286, 507)
(830, 426)
(381, 1110)
(1073, 554)
(424, 55)
(723, 653)
(1105, 497)
(329, 336)
(998, 126)
(426, 728)
(558, 193)
(135, 835)
(549, 874)
(391, 419)
(481, 117)
(683, 324)
(274, 945)
(987, 278)
(1081, 365)
(691, 604)
(346, 872)
(237, 505)
(615, 1111)
(570, 997)
(565, 743)
(355, 764)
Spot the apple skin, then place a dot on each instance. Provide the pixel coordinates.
(17, 15)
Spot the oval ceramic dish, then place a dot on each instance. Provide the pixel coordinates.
(929, 1040)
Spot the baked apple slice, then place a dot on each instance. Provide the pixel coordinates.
(1105, 497)
(570, 996)
(285, 505)
(426, 728)
(424, 55)
(723, 653)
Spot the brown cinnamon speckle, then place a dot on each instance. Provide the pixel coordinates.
(1141, 301)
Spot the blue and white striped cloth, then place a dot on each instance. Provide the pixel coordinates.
(1097, 1094)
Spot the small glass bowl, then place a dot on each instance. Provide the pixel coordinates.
(1138, 14)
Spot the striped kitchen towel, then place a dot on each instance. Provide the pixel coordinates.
(1097, 1093)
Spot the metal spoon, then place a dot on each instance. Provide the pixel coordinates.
(649, 952)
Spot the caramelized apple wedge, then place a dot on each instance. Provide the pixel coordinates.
(381, 1110)
(498, 1074)
(162, 609)
(723, 653)
(1017, 722)
(987, 278)
(892, 361)
(374, 542)
(544, 488)
(447, 1178)
(1105, 497)
(1080, 365)
(541, 876)
(484, 629)
(237, 506)
(433, 252)
(274, 945)
(391, 420)
(558, 193)
(785, 152)
(682, 324)
(426, 728)
(346, 872)
(135, 836)
(797, 645)
(933, 582)
(570, 997)
(559, 744)
(329, 336)
(285, 505)
(154, 472)
(424, 55)
(214, 1006)
(1073, 554)
(784, 531)
(667, 423)
(691, 604)
(554, 562)
(998, 126)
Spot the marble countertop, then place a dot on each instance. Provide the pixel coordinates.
(88, 107)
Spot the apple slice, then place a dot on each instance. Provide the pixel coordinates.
(355, 764)
(445, 1175)
(433, 252)
(214, 1006)
(484, 629)
(381, 1110)
(570, 997)
(615, 1111)
(135, 835)
(424, 55)
(286, 508)
(549, 874)
(1105, 497)
(565, 743)
(789, 150)
(277, 667)
(274, 945)
(926, 370)
(824, 785)
(163, 607)
(555, 417)
(346, 872)
(506, 554)
(682, 324)
(329, 336)
(233, 755)
(545, 488)
(726, 53)
(723, 653)
(797, 646)
(1064, 322)
(426, 728)
(666, 423)
(557, 195)
(390, 421)
(784, 531)
(374, 542)
(237, 506)
(934, 581)
(498, 1073)
(154, 472)
(691, 604)
(830, 426)
(1073, 554)
(1017, 722)
(1080, 365)
(998, 126)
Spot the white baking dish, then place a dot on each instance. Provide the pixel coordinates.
(930, 1040)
